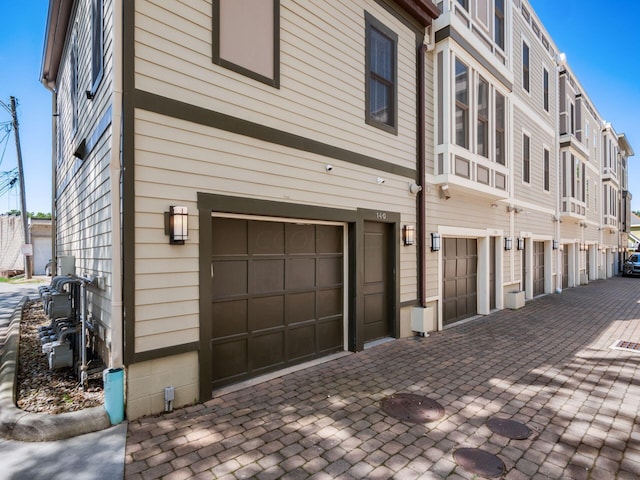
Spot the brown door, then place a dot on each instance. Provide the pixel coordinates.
(378, 320)
(460, 299)
(565, 267)
(277, 295)
(587, 265)
(538, 268)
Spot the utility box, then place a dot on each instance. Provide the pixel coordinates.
(60, 355)
(67, 265)
(423, 320)
(514, 300)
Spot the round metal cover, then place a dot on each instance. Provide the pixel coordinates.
(508, 428)
(412, 408)
(479, 462)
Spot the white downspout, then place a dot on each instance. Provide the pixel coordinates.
(116, 358)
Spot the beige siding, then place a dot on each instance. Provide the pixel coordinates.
(322, 72)
(176, 159)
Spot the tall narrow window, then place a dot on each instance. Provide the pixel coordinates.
(546, 170)
(73, 82)
(97, 48)
(462, 104)
(498, 25)
(381, 87)
(482, 134)
(500, 129)
(525, 66)
(526, 159)
(572, 118)
(464, 4)
(246, 38)
(545, 88)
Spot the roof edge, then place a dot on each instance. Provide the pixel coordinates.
(423, 11)
(54, 40)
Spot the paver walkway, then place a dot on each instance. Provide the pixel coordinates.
(548, 365)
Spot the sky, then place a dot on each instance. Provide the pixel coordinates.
(598, 38)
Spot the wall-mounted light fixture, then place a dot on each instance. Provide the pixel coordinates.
(380, 180)
(444, 191)
(508, 243)
(584, 247)
(176, 225)
(435, 242)
(409, 234)
(414, 188)
(520, 243)
(554, 244)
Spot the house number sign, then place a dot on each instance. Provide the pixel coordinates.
(381, 215)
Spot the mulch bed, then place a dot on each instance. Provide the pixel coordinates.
(40, 389)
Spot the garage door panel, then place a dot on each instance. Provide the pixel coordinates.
(330, 271)
(301, 342)
(229, 236)
(301, 273)
(329, 239)
(449, 268)
(450, 289)
(229, 358)
(266, 312)
(267, 350)
(329, 302)
(229, 278)
(300, 307)
(330, 334)
(267, 276)
(229, 318)
(266, 238)
(300, 239)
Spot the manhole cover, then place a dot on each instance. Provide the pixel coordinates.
(479, 462)
(508, 428)
(412, 408)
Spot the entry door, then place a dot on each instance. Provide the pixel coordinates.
(492, 273)
(565, 267)
(538, 268)
(378, 321)
(460, 298)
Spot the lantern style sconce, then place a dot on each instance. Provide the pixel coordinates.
(409, 234)
(508, 243)
(435, 242)
(176, 225)
(520, 243)
(555, 244)
(583, 247)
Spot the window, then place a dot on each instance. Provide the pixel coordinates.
(500, 129)
(462, 104)
(246, 38)
(572, 118)
(482, 134)
(546, 170)
(381, 67)
(97, 45)
(525, 66)
(498, 26)
(464, 4)
(545, 89)
(526, 159)
(73, 82)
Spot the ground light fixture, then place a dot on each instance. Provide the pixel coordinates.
(435, 242)
(177, 225)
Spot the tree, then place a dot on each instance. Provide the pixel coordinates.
(30, 214)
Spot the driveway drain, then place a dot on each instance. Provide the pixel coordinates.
(508, 428)
(626, 345)
(479, 462)
(412, 408)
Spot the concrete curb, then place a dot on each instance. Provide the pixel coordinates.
(16, 424)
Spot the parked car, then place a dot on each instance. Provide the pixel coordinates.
(632, 265)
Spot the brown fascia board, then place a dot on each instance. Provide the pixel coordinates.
(423, 11)
(54, 40)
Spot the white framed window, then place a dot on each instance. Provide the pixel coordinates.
(498, 23)
(526, 158)
(461, 104)
(482, 118)
(546, 168)
(525, 66)
(500, 128)
(545, 89)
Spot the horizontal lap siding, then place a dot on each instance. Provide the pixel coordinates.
(176, 159)
(322, 73)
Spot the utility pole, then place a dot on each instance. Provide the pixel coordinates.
(27, 258)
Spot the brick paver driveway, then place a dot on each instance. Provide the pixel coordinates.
(547, 365)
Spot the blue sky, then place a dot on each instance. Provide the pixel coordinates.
(599, 39)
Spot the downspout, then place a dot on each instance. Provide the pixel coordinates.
(54, 181)
(117, 341)
(422, 178)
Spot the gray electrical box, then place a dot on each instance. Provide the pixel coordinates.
(67, 265)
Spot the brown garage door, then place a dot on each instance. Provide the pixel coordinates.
(565, 267)
(538, 268)
(277, 295)
(460, 257)
(378, 320)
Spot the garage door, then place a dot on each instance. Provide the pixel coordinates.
(538, 268)
(460, 299)
(565, 267)
(277, 295)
